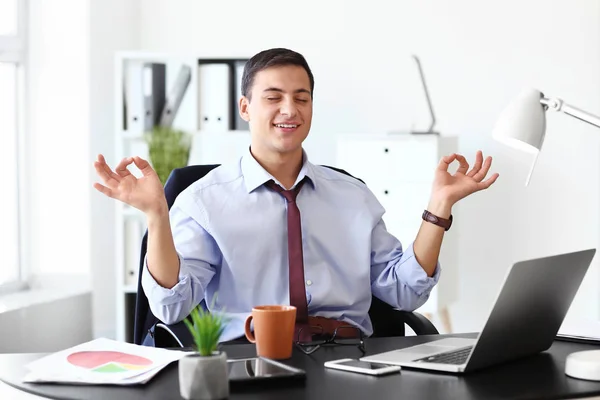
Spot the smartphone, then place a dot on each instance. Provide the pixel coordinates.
(362, 367)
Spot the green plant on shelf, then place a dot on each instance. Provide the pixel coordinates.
(168, 149)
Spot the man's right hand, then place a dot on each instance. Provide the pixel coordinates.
(145, 193)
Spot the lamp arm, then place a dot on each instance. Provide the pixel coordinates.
(426, 90)
(559, 105)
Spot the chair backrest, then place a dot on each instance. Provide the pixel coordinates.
(385, 321)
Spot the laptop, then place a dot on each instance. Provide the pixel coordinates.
(524, 320)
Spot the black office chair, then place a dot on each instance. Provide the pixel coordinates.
(386, 320)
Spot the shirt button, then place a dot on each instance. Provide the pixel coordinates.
(309, 282)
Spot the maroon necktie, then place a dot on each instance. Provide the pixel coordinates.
(296, 261)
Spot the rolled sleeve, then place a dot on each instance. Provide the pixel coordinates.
(198, 256)
(168, 305)
(396, 276)
(412, 273)
(164, 296)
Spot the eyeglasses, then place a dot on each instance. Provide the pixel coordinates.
(342, 336)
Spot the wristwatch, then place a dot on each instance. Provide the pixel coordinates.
(434, 219)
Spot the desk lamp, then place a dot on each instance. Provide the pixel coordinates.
(522, 125)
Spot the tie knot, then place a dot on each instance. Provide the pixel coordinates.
(290, 195)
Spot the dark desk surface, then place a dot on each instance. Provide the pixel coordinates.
(541, 376)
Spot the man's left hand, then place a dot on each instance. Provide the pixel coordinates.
(448, 188)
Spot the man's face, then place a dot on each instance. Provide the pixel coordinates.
(280, 112)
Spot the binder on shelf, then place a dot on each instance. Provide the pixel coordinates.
(240, 124)
(154, 82)
(124, 102)
(214, 99)
(175, 96)
(133, 105)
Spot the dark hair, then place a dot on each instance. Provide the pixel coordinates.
(276, 57)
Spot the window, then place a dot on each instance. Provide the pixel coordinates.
(9, 212)
(8, 17)
(12, 57)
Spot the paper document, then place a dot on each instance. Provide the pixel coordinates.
(585, 329)
(102, 362)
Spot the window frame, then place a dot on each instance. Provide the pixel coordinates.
(13, 47)
(13, 50)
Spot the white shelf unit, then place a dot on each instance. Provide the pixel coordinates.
(399, 169)
(211, 144)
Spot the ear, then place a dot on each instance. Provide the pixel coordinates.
(244, 104)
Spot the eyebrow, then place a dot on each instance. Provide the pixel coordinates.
(274, 89)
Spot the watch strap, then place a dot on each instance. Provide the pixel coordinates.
(445, 223)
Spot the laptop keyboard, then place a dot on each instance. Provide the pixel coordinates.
(456, 357)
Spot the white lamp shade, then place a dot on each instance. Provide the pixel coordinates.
(522, 124)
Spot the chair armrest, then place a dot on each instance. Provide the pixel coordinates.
(418, 323)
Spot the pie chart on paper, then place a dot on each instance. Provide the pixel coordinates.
(108, 361)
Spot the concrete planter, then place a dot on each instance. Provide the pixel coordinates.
(204, 378)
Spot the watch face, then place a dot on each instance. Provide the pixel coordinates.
(431, 218)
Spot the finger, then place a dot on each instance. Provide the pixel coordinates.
(143, 165)
(488, 182)
(484, 170)
(104, 190)
(446, 161)
(464, 165)
(106, 168)
(106, 174)
(121, 169)
(477, 165)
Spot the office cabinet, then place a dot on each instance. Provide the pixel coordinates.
(399, 169)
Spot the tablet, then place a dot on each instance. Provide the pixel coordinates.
(260, 369)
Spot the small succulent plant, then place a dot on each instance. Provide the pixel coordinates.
(206, 329)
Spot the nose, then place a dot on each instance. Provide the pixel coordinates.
(288, 108)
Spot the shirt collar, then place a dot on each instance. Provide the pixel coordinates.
(255, 175)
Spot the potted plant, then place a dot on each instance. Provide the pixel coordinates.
(168, 149)
(204, 374)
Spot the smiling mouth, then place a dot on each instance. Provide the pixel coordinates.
(287, 126)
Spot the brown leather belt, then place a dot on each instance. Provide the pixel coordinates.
(329, 326)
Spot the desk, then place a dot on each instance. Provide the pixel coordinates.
(9, 392)
(540, 376)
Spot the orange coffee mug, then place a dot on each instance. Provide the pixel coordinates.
(273, 331)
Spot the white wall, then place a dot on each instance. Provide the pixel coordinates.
(123, 19)
(477, 56)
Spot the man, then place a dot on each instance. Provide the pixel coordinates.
(236, 232)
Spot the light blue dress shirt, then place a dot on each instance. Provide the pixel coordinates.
(230, 233)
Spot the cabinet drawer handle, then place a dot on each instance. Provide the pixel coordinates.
(386, 150)
(385, 191)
